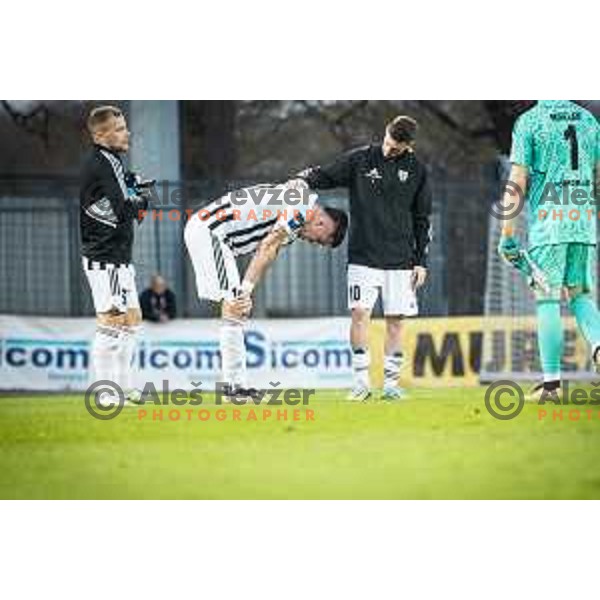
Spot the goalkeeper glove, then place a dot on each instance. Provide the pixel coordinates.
(509, 247)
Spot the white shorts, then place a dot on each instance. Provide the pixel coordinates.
(365, 284)
(217, 275)
(113, 286)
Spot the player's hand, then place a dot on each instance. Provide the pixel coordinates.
(238, 308)
(296, 184)
(242, 305)
(246, 304)
(509, 248)
(146, 194)
(419, 276)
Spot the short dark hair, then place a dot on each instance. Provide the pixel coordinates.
(100, 115)
(403, 129)
(340, 218)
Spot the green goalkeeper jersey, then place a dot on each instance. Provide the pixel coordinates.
(559, 142)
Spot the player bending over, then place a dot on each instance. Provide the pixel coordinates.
(556, 154)
(226, 229)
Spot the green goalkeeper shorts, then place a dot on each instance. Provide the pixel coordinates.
(566, 266)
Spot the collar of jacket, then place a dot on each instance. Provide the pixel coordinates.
(107, 149)
(379, 150)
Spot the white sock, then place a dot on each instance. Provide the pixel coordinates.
(125, 368)
(391, 369)
(104, 353)
(233, 353)
(361, 360)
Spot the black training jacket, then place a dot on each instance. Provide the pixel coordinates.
(390, 206)
(108, 210)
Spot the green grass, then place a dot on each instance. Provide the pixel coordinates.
(437, 444)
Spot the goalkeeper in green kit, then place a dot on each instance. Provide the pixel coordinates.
(556, 164)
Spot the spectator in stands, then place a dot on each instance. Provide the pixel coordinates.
(158, 301)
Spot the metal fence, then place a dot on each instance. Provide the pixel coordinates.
(41, 273)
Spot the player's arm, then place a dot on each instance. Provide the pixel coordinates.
(511, 204)
(515, 192)
(513, 196)
(125, 208)
(597, 169)
(336, 174)
(265, 254)
(421, 215)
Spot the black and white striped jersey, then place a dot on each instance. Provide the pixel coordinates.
(243, 218)
(108, 210)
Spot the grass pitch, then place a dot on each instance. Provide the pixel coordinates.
(437, 444)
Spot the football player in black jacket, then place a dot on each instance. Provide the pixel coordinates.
(111, 203)
(390, 207)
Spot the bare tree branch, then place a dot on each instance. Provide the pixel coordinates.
(335, 123)
(448, 121)
(35, 122)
